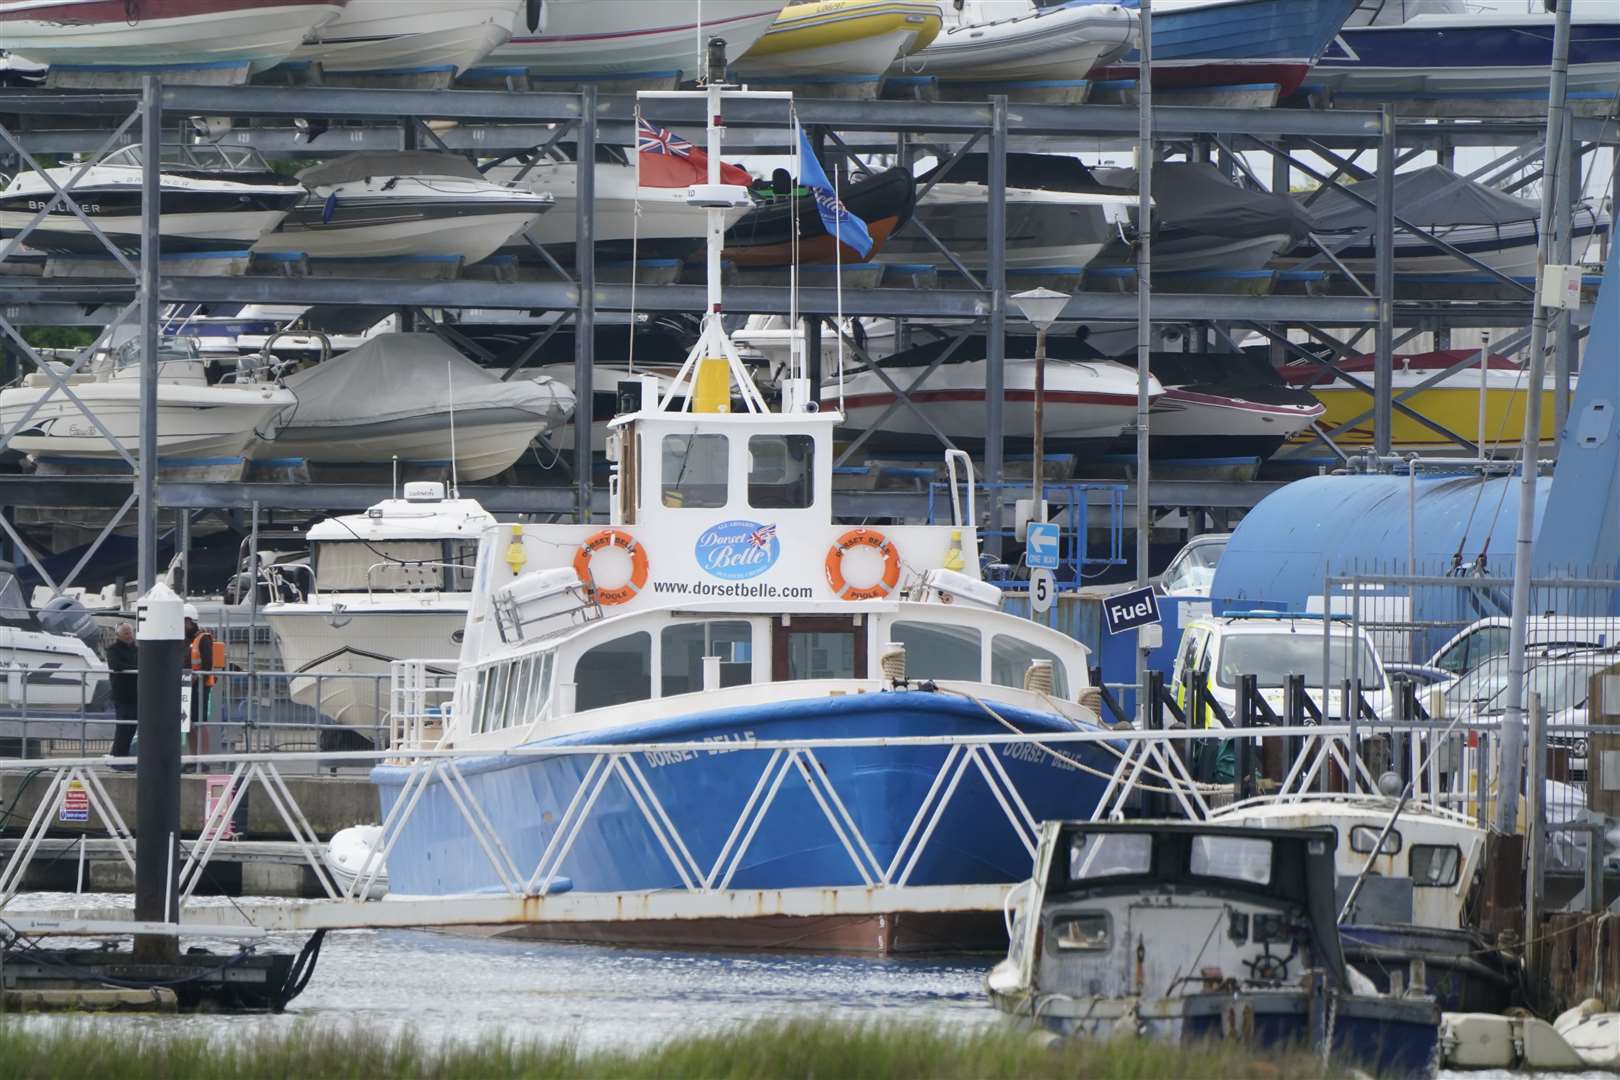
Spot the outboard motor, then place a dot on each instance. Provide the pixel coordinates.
(66, 616)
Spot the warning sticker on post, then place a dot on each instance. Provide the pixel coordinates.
(75, 803)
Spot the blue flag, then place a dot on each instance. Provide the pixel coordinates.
(835, 218)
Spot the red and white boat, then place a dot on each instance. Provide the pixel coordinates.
(629, 40)
(93, 42)
(1088, 403)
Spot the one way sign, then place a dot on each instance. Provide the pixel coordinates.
(1041, 550)
(1139, 607)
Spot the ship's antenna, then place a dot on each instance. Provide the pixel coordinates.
(395, 494)
(450, 388)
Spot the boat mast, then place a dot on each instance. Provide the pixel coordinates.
(714, 345)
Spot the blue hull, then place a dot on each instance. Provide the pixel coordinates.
(704, 794)
(1237, 43)
(1387, 1037)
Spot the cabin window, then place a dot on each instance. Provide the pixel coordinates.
(1086, 932)
(1234, 857)
(540, 694)
(781, 475)
(1435, 865)
(1009, 660)
(695, 470)
(939, 650)
(380, 565)
(1099, 855)
(1363, 838)
(463, 560)
(682, 647)
(477, 683)
(495, 698)
(614, 673)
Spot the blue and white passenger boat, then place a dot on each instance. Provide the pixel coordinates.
(721, 608)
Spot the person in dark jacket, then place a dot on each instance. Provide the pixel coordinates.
(122, 658)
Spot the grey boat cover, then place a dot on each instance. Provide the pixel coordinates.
(352, 167)
(1198, 197)
(1430, 198)
(398, 376)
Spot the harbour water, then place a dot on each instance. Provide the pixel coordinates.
(443, 986)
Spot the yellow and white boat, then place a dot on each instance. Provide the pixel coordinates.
(842, 46)
(1454, 403)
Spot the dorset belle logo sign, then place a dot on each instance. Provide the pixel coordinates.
(737, 549)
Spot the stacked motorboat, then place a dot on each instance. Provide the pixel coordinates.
(1448, 56)
(412, 400)
(103, 44)
(422, 44)
(765, 236)
(199, 424)
(1264, 47)
(405, 204)
(392, 582)
(628, 42)
(1088, 403)
(1498, 229)
(1002, 41)
(641, 206)
(1224, 405)
(1206, 225)
(1446, 386)
(1058, 215)
(840, 48)
(213, 199)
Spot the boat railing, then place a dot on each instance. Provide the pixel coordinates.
(421, 700)
(437, 585)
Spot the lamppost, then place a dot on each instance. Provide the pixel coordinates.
(1042, 308)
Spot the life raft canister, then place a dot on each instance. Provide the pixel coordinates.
(638, 566)
(863, 538)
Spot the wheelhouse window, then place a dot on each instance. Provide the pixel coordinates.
(1233, 857)
(615, 672)
(1435, 865)
(1363, 838)
(781, 473)
(1101, 855)
(1009, 661)
(1086, 932)
(682, 648)
(694, 470)
(384, 565)
(939, 650)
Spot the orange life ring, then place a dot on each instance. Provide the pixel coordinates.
(863, 538)
(638, 566)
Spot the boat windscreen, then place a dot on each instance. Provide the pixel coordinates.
(369, 163)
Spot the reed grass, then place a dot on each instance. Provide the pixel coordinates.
(812, 1049)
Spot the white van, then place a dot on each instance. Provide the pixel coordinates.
(1274, 646)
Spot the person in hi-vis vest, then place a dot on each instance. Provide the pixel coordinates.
(201, 662)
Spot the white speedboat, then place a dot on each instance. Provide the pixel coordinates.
(197, 422)
(1088, 404)
(389, 583)
(414, 400)
(653, 221)
(374, 39)
(182, 41)
(993, 40)
(629, 40)
(393, 204)
(213, 199)
(1050, 222)
(47, 657)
